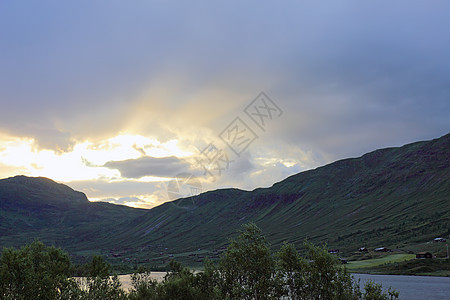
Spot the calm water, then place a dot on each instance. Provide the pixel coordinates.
(126, 279)
(412, 287)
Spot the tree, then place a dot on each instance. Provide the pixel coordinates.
(374, 291)
(100, 288)
(248, 268)
(100, 284)
(247, 271)
(208, 282)
(179, 283)
(144, 287)
(98, 267)
(319, 276)
(291, 267)
(34, 271)
(326, 277)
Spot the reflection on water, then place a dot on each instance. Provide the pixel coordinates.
(126, 279)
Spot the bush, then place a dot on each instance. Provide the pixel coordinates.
(34, 271)
(100, 284)
(374, 291)
(144, 287)
(100, 288)
(179, 283)
(247, 271)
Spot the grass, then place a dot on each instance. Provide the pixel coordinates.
(370, 263)
(401, 264)
(441, 273)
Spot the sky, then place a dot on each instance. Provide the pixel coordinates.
(141, 102)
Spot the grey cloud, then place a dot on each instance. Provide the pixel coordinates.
(149, 166)
(45, 134)
(242, 166)
(147, 194)
(53, 139)
(142, 151)
(116, 189)
(350, 77)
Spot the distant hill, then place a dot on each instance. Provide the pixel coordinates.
(389, 197)
(33, 208)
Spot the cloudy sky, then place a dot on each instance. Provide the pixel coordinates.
(129, 100)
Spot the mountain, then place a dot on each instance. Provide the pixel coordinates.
(33, 208)
(390, 197)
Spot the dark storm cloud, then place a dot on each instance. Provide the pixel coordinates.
(351, 76)
(149, 166)
(367, 77)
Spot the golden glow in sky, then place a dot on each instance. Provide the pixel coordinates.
(85, 161)
(118, 101)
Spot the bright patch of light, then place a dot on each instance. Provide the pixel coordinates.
(16, 152)
(267, 161)
(86, 160)
(169, 148)
(152, 179)
(288, 163)
(146, 201)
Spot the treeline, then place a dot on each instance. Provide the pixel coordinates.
(248, 270)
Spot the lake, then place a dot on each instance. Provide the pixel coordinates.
(412, 287)
(126, 279)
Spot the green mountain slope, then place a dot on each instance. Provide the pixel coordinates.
(33, 208)
(388, 197)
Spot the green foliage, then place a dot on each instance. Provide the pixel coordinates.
(374, 291)
(34, 271)
(326, 278)
(144, 287)
(99, 284)
(99, 288)
(247, 271)
(178, 283)
(248, 268)
(98, 267)
(292, 266)
(319, 276)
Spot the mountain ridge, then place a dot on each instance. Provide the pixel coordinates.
(38, 207)
(392, 197)
(387, 182)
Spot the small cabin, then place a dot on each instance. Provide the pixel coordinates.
(363, 249)
(424, 255)
(333, 251)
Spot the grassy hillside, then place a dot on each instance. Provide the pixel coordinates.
(395, 197)
(39, 208)
(391, 197)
